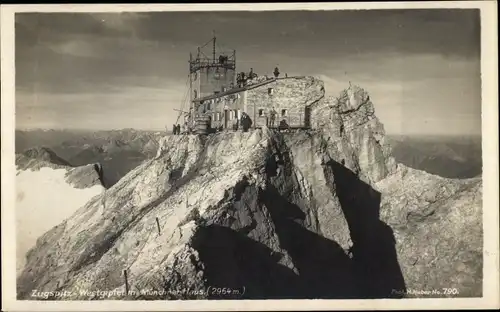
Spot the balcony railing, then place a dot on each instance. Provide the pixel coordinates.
(199, 64)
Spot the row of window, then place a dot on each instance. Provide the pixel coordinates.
(232, 114)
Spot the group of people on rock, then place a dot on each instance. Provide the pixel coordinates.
(242, 78)
(176, 129)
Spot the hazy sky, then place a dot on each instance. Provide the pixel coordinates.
(129, 70)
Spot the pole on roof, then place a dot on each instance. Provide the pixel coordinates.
(213, 48)
(191, 104)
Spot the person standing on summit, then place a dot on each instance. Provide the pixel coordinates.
(276, 72)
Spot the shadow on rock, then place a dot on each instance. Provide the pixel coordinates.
(98, 169)
(376, 267)
(233, 261)
(324, 269)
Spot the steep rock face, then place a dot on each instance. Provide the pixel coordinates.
(274, 215)
(47, 193)
(437, 223)
(351, 133)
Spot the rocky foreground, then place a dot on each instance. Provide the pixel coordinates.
(323, 213)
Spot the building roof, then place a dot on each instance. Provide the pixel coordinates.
(233, 91)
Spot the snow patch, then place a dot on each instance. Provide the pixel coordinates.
(44, 199)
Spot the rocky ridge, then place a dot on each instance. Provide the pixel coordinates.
(323, 213)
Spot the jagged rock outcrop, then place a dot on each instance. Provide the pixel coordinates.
(47, 193)
(322, 213)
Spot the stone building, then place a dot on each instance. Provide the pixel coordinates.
(215, 94)
(291, 99)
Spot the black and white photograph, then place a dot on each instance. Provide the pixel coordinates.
(246, 154)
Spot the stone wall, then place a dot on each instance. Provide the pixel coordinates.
(209, 80)
(289, 97)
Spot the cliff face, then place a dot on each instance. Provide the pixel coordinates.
(322, 213)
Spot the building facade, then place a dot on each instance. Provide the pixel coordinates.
(291, 100)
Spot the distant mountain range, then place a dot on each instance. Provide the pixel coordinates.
(118, 151)
(446, 156)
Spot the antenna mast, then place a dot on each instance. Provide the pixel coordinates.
(191, 103)
(213, 49)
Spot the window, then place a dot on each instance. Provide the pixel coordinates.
(269, 91)
(195, 94)
(261, 112)
(283, 112)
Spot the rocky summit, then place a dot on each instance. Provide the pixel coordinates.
(319, 213)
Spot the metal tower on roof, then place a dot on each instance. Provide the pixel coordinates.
(211, 71)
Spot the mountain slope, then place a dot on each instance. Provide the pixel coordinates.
(47, 193)
(308, 214)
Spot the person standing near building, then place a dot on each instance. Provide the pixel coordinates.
(246, 122)
(272, 118)
(235, 121)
